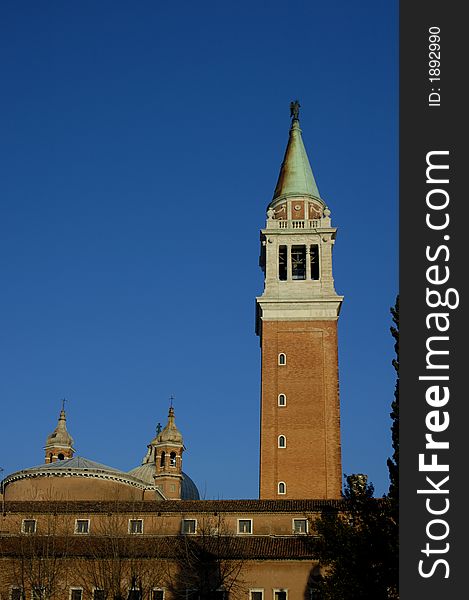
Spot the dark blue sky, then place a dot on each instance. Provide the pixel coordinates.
(140, 146)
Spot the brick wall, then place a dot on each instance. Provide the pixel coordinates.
(310, 464)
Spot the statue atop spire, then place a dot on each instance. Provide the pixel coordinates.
(295, 110)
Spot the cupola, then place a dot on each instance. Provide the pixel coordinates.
(59, 444)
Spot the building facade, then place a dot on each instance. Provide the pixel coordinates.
(74, 528)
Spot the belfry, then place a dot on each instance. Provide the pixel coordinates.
(296, 320)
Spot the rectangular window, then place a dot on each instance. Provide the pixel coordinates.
(244, 525)
(135, 525)
(157, 595)
(300, 525)
(17, 594)
(298, 262)
(134, 594)
(189, 526)
(256, 594)
(280, 594)
(76, 594)
(282, 263)
(82, 526)
(314, 257)
(99, 594)
(28, 526)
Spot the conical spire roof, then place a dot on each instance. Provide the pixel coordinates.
(60, 435)
(296, 176)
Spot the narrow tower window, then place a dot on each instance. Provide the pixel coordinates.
(282, 400)
(298, 262)
(282, 263)
(163, 459)
(282, 487)
(314, 253)
(172, 459)
(282, 441)
(282, 358)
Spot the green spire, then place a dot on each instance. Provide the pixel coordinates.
(296, 177)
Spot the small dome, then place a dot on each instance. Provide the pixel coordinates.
(60, 435)
(189, 490)
(170, 433)
(144, 472)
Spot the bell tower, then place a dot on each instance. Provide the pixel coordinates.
(296, 320)
(168, 448)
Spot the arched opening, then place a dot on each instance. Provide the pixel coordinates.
(61, 457)
(282, 487)
(282, 441)
(172, 459)
(163, 459)
(282, 358)
(282, 400)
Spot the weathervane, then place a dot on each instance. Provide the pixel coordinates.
(295, 110)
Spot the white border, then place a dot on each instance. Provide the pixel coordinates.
(29, 532)
(244, 532)
(81, 532)
(135, 532)
(182, 526)
(299, 519)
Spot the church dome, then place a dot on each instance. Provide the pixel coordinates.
(189, 490)
(76, 478)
